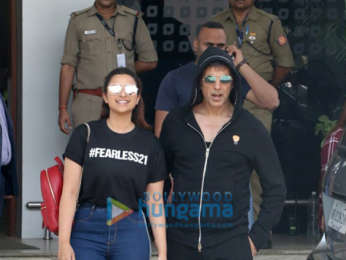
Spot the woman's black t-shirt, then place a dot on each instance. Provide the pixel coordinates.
(115, 165)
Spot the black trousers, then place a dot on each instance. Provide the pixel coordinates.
(237, 248)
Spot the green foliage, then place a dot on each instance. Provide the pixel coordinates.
(324, 125)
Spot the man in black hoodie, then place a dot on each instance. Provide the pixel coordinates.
(211, 147)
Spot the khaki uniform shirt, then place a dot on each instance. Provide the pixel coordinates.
(264, 46)
(92, 50)
(259, 50)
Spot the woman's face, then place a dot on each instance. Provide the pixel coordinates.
(122, 94)
(216, 86)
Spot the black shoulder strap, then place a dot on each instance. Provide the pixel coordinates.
(134, 33)
(270, 32)
(88, 129)
(103, 22)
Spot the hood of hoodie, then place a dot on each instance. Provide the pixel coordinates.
(209, 56)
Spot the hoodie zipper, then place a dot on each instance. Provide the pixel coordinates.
(207, 150)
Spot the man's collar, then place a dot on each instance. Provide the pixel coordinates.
(253, 15)
(119, 9)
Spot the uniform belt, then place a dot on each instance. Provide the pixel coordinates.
(94, 92)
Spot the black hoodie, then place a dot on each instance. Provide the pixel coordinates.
(220, 172)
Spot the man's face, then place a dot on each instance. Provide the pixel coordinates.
(105, 3)
(209, 37)
(241, 4)
(216, 86)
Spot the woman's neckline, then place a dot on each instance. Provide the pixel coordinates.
(130, 131)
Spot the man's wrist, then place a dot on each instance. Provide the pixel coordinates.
(240, 64)
(274, 82)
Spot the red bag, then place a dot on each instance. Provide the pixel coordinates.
(51, 188)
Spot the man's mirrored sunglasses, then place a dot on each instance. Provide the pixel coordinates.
(223, 79)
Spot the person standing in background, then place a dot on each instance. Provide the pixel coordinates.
(99, 39)
(8, 168)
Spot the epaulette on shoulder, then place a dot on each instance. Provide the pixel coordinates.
(130, 11)
(83, 11)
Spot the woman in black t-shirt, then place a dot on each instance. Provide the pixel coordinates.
(119, 159)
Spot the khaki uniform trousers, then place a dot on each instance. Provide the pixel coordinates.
(85, 108)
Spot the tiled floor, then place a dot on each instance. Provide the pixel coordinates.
(284, 248)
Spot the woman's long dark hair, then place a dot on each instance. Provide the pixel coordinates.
(138, 117)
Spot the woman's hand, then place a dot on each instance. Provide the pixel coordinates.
(253, 248)
(158, 222)
(66, 252)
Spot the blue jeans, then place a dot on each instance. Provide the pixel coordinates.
(92, 239)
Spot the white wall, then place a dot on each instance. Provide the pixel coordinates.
(44, 26)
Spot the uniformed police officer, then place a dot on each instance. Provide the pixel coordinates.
(264, 44)
(98, 39)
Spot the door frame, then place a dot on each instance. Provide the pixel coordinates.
(15, 103)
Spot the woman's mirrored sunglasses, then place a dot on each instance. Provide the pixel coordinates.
(117, 88)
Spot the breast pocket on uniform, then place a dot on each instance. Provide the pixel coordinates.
(256, 40)
(91, 43)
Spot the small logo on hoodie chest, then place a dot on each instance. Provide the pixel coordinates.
(236, 139)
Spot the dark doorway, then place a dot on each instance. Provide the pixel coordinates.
(316, 32)
(9, 80)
